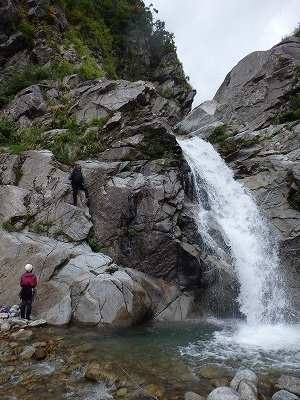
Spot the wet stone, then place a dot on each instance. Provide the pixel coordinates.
(22, 335)
(5, 326)
(27, 352)
(192, 396)
(40, 353)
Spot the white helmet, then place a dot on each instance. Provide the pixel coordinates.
(28, 267)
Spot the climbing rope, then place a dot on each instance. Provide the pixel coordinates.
(143, 390)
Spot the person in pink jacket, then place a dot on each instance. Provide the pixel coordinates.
(28, 283)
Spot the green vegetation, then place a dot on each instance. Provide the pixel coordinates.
(290, 113)
(78, 141)
(103, 37)
(92, 241)
(7, 131)
(41, 226)
(106, 31)
(155, 146)
(131, 231)
(297, 31)
(10, 226)
(220, 133)
(161, 42)
(33, 74)
(226, 147)
(281, 61)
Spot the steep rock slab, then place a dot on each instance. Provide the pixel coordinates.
(99, 98)
(252, 91)
(133, 210)
(269, 168)
(36, 195)
(135, 213)
(258, 83)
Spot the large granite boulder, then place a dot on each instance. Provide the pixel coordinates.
(75, 284)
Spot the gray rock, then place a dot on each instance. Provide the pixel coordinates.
(22, 335)
(29, 103)
(243, 374)
(223, 393)
(247, 390)
(18, 321)
(284, 395)
(192, 396)
(289, 383)
(8, 13)
(38, 322)
(27, 352)
(76, 284)
(254, 86)
(104, 96)
(5, 326)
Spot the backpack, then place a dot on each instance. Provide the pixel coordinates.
(77, 176)
(28, 279)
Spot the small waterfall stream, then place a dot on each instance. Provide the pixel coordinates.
(253, 251)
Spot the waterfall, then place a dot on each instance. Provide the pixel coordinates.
(253, 250)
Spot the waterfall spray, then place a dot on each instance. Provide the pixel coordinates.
(244, 230)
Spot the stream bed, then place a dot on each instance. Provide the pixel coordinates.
(155, 360)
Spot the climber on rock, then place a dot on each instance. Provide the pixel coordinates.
(28, 284)
(77, 182)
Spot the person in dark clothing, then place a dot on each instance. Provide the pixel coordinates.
(77, 182)
(28, 284)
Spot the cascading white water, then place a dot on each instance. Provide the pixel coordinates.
(253, 251)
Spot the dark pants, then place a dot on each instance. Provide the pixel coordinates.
(26, 295)
(26, 308)
(75, 189)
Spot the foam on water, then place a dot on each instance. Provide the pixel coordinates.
(261, 348)
(269, 337)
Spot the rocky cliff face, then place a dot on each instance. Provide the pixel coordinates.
(139, 219)
(133, 179)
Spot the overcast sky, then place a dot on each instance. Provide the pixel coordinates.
(212, 36)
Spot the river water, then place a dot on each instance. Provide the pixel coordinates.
(191, 355)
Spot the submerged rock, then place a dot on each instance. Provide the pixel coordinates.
(289, 383)
(223, 393)
(22, 335)
(284, 395)
(246, 375)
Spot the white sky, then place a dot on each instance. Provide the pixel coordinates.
(212, 36)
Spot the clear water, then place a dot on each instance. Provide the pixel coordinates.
(176, 355)
(168, 347)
